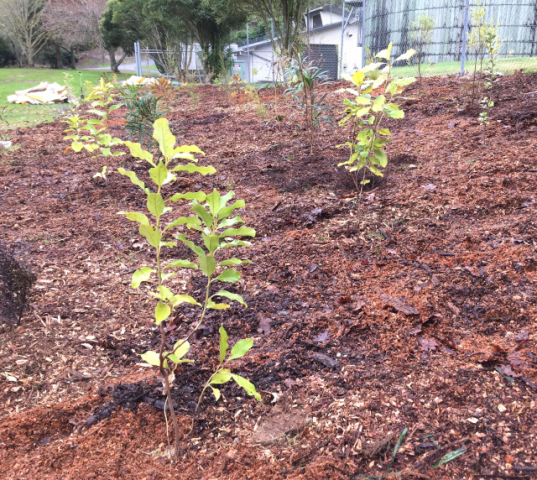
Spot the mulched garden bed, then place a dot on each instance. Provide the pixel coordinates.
(415, 310)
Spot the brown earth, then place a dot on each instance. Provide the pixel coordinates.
(416, 310)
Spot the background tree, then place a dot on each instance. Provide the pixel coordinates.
(22, 22)
(421, 36)
(286, 17)
(73, 25)
(121, 25)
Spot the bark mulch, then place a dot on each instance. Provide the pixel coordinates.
(415, 310)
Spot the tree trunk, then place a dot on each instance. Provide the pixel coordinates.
(73, 61)
(112, 55)
(119, 62)
(59, 63)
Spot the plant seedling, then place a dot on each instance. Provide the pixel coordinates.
(216, 226)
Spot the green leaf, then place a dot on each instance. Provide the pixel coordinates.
(231, 296)
(137, 151)
(229, 275)
(384, 131)
(159, 174)
(190, 167)
(211, 242)
(188, 149)
(234, 261)
(213, 200)
(141, 275)
(181, 264)
(372, 66)
(164, 137)
(155, 204)
(164, 293)
(234, 243)
(183, 221)
(358, 78)
(207, 264)
(361, 100)
(381, 156)
(217, 306)
(229, 222)
(227, 211)
(152, 358)
(77, 146)
(241, 348)
(151, 234)
(386, 53)
(180, 350)
(406, 56)
(180, 299)
(134, 179)
(376, 171)
(242, 231)
(199, 196)
(136, 217)
(247, 385)
(395, 113)
(450, 456)
(216, 393)
(220, 377)
(162, 312)
(201, 211)
(223, 344)
(377, 104)
(197, 250)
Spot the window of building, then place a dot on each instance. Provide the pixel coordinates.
(317, 20)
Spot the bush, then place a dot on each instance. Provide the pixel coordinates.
(7, 57)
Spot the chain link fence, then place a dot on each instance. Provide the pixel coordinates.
(450, 50)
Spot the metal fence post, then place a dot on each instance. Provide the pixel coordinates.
(464, 34)
(342, 40)
(138, 59)
(363, 32)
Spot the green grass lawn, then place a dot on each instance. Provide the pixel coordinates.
(505, 65)
(13, 79)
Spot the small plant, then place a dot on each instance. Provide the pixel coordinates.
(486, 104)
(143, 113)
(303, 79)
(370, 59)
(192, 93)
(129, 93)
(483, 38)
(366, 114)
(102, 100)
(212, 219)
(223, 374)
(162, 89)
(421, 36)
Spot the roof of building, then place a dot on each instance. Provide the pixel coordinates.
(330, 26)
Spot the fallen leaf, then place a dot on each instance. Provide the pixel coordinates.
(322, 337)
(427, 343)
(509, 459)
(501, 408)
(264, 324)
(399, 304)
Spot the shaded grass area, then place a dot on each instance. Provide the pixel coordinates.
(13, 79)
(505, 65)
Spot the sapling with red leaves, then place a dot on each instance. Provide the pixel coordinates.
(366, 114)
(212, 218)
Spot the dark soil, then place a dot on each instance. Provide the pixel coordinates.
(415, 309)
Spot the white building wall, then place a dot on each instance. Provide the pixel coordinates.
(328, 18)
(352, 54)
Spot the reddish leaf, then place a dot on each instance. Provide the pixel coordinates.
(427, 343)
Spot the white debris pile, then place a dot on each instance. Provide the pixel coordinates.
(43, 94)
